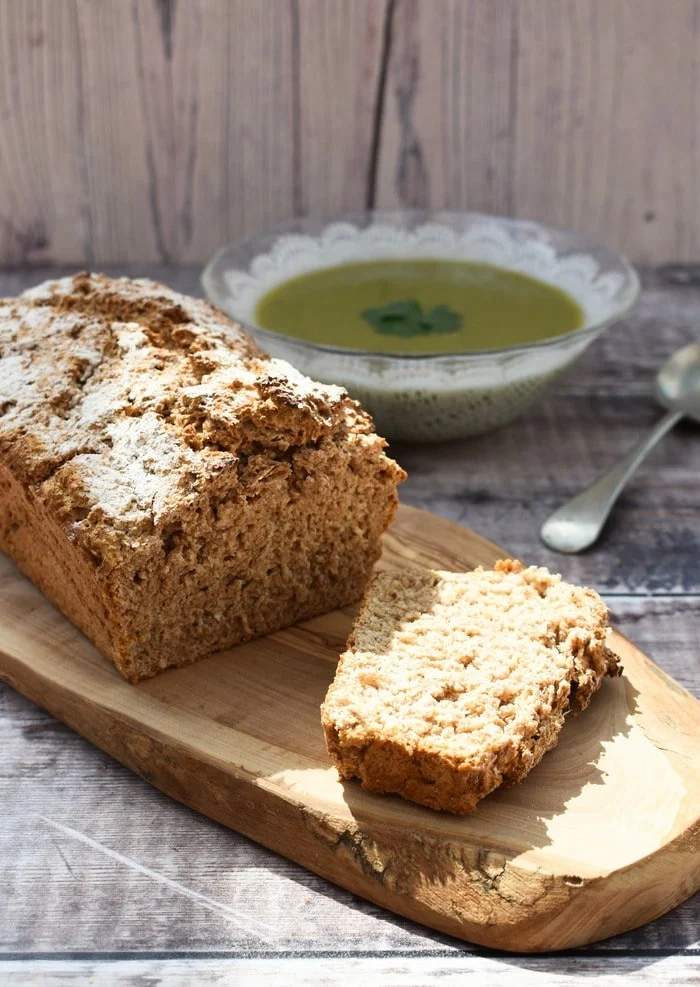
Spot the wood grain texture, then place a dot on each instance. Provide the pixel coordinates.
(240, 100)
(447, 128)
(340, 56)
(70, 897)
(61, 896)
(50, 771)
(547, 864)
(160, 129)
(580, 113)
(394, 972)
(170, 128)
(607, 121)
(652, 541)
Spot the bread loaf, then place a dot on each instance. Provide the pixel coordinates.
(456, 683)
(171, 488)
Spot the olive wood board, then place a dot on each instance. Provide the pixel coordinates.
(601, 837)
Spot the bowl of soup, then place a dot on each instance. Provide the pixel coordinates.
(443, 324)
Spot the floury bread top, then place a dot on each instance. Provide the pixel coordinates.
(118, 396)
(173, 489)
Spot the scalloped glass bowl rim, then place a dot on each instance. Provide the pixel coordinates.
(584, 242)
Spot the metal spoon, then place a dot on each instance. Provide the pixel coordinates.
(578, 522)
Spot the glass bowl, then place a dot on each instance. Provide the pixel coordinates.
(428, 397)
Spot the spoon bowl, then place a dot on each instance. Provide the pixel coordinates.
(678, 381)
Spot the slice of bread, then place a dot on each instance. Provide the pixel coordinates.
(456, 683)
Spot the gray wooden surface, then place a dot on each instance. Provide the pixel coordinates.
(103, 878)
(156, 130)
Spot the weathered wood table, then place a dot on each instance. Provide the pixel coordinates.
(103, 877)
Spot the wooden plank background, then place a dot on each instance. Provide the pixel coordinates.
(156, 130)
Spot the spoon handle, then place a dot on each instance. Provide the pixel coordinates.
(578, 522)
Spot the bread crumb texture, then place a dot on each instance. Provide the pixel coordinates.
(456, 683)
(172, 488)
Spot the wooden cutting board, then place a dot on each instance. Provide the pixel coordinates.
(600, 838)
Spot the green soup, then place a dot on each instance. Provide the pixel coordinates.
(418, 306)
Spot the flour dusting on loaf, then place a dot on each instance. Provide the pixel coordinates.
(170, 486)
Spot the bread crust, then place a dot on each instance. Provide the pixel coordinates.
(448, 630)
(170, 487)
